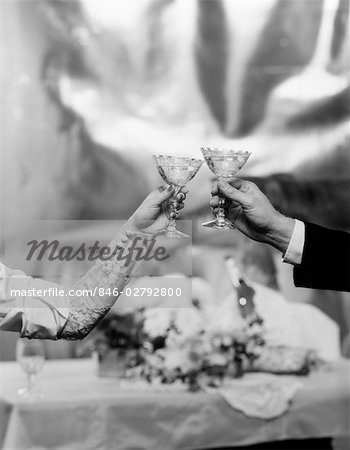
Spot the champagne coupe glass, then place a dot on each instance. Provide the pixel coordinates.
(224, 164)
(30, 355)
(176, 170)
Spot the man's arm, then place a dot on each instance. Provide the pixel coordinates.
(325, 261)
(252, 213)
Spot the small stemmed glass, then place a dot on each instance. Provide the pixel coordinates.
(178, 171)
(224, 164)
(30, 354)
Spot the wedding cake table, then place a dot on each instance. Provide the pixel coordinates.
(81, 410)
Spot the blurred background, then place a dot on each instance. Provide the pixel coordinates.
(90, 90)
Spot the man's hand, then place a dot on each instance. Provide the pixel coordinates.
(152, 216)
(252, 213)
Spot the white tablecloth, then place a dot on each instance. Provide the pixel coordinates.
(81, 411)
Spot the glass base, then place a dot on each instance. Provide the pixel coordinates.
(174, 234)
(222, 224)
(30, 394)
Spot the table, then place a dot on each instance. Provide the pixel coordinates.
(81, 411)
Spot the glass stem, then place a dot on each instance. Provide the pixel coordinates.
(172, 225)
(220, 215)
(172, 220)
(31, 381)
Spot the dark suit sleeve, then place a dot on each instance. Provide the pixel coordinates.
(325, 261)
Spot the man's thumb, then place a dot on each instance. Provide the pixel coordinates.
(231, 192)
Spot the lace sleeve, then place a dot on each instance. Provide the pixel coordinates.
(87, 310)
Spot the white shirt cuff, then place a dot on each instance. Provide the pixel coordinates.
(36, 315)
(295, 248)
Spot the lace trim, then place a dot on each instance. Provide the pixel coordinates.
(81, 321)
(87, 311)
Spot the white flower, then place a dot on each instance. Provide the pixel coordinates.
(189, 322)
(224, 318)
(157, 321)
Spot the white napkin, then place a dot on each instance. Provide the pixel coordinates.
(260, 395)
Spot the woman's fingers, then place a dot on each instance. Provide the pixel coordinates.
(165, 193)
(159, 195)
(214, 202)
(184, 190)
(180, 196)
(214, 188)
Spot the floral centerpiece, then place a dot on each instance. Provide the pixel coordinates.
(118, 341)
(198, 345)
(168, 345)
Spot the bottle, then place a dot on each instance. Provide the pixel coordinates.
(245, 292)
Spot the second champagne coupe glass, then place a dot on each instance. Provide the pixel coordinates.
(30, 355)
(224, 164)
(176, 170)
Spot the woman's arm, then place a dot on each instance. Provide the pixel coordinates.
(74, 316)
(105, 276)
(28, 307)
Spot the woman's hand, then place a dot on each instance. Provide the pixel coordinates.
(152, 216)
